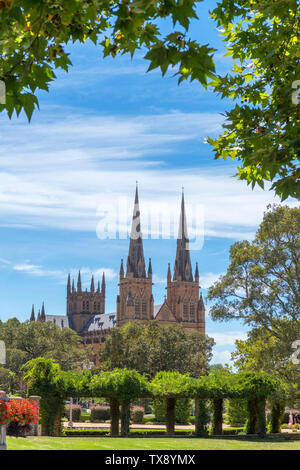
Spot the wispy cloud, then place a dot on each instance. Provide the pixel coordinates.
(59, 173)
(208, 279)
(221, 357)
(228, 338)
(61, 275)
(225, 345)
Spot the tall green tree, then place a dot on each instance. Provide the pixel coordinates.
(150, 348)
(29, 340)
(262, 288)
(261, 130)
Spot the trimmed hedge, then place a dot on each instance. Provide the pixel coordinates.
(230, 431)
(76, 412)
(132, 432)
(143, 432)
(85, 417)
(137, 414)
(99, 413)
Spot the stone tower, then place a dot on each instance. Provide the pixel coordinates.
(183, 303)
(135, 300)
(82, 305)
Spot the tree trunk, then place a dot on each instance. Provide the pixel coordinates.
(217, 416)
(57, 424)
(277, 411)
(261, 416)
(114, 417)
(252, 416)
(125, 418)
(170, 415)
(201, 417)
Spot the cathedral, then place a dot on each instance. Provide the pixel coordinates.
(183, 303)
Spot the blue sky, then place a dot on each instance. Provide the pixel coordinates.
(103, 126)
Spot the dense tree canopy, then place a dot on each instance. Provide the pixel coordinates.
(261, 131)
(262, 288)
(29, 340)
(34, 33)
(155, 347)
(262, 37)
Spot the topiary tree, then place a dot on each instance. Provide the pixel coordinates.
(122, 386)
(202, 417)
(44, 378)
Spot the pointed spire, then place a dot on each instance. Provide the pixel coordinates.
(69, 284)
(43, 316)
(39, 316)
(79, 282)
(136, 262)
(98, 286)
(103, 285)
(183, 267)
(32, 316)
(201, 303)
(92, 284)
(169, 276)
(196, 273)
(73, 286)
(150, 268)
(122, 270)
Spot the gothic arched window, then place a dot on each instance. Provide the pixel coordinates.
(137, 308)
(192, 312)
(144, 309)
(185, 311)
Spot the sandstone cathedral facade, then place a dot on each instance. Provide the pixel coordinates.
(183, 303)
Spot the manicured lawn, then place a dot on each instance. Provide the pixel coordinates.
(106, 443)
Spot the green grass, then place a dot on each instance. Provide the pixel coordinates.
(106, 443)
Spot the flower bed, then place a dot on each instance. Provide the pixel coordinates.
(20, 415)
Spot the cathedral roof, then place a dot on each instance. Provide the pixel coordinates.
(100, 322)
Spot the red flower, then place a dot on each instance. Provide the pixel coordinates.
(19, 411)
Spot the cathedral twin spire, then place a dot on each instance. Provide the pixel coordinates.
(136, 262)
(183, 266)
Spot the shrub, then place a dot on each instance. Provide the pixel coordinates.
(133, 432)
(84, 417)
(76, 412)
(183, 410)
(230, 431)
(100, 413)
(137, 414)
(20, 415)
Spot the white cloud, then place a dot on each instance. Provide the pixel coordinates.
(58, 173)
(208, 279)
(227, 339)
(221, 357)
(61, 275)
